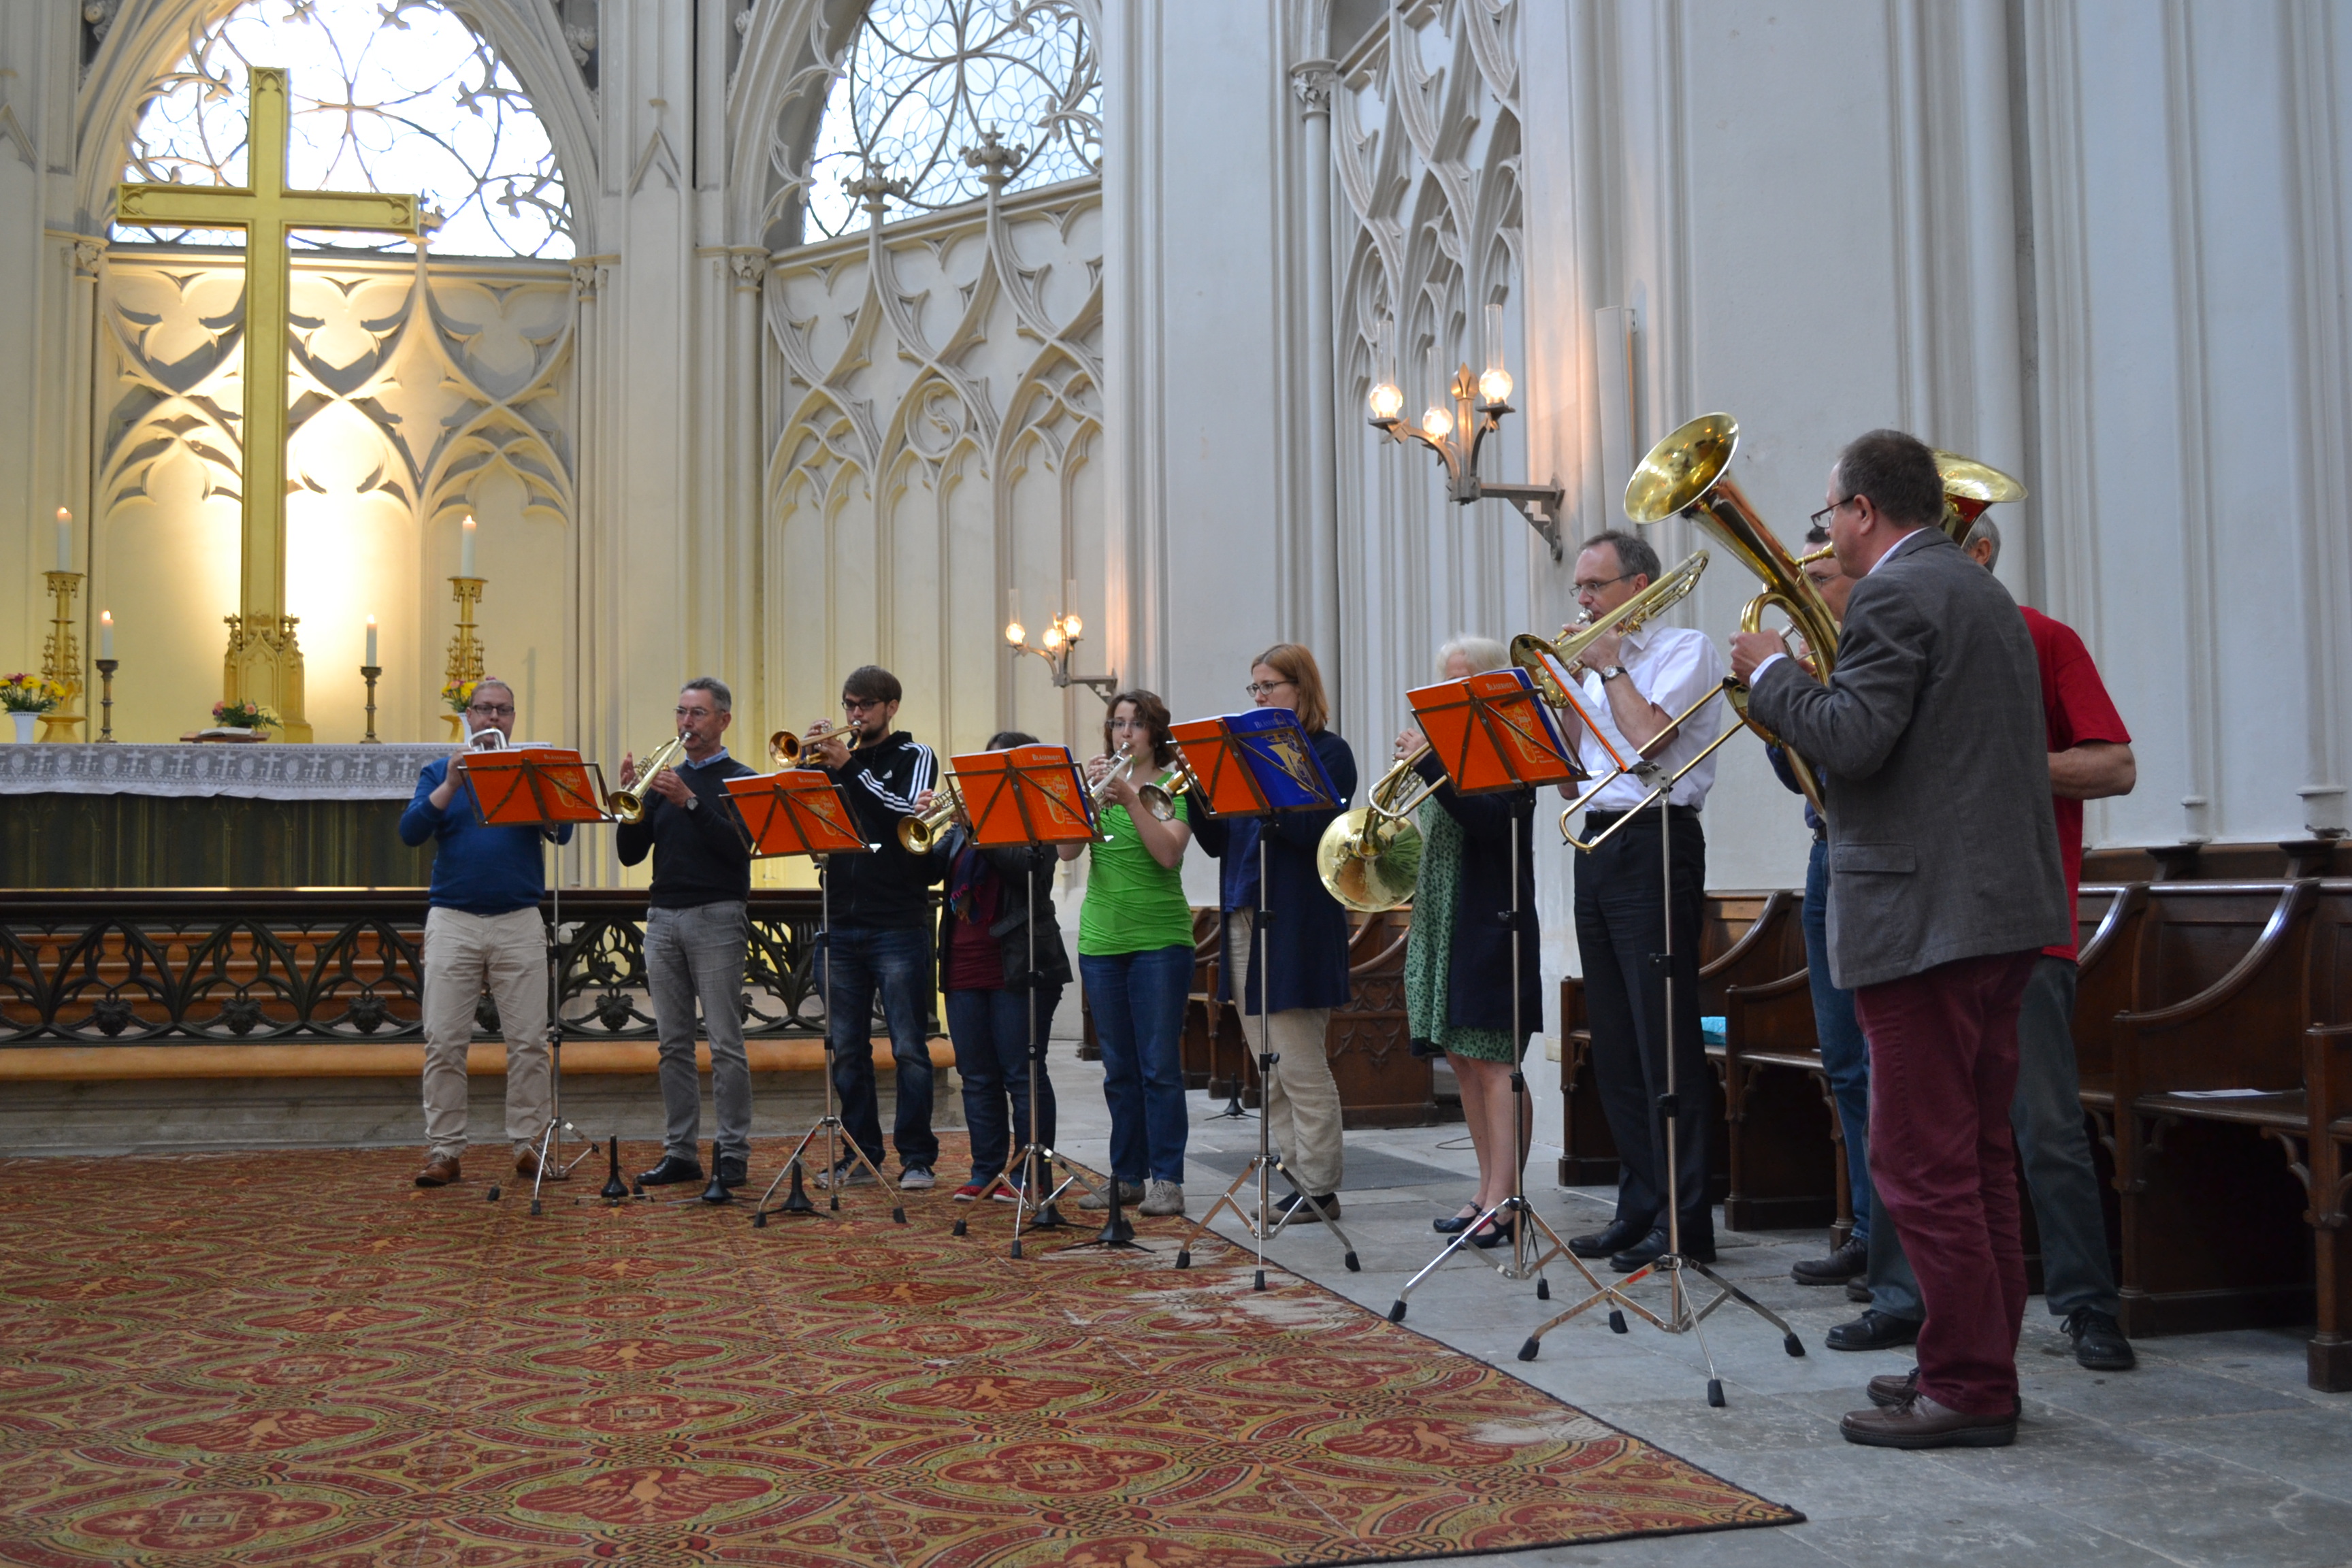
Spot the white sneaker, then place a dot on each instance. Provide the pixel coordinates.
(1161, 1198)
(1128, 1193)
(915, 1178)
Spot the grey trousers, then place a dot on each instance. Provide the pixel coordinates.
(698, 954)
(2047, 1119)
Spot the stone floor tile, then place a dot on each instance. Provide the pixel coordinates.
(2255, 1523)
(1926, 1534)
(2310, 1448)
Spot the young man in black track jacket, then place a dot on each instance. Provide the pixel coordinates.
(697, 924)
(880, 910)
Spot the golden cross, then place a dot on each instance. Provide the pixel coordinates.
(264, 662)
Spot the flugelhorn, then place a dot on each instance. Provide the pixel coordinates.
(917, 834)
(1688, 474)
(1158, 796)
(629, 804)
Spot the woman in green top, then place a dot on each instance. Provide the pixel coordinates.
(1134, 959)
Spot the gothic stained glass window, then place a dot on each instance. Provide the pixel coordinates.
(389, 95)
(923, 79)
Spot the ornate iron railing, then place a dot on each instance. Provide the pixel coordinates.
(310, 965)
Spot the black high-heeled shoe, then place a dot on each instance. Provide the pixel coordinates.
(1454, 1223)
(1498, 1234)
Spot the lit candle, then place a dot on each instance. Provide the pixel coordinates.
(371, 657)
(106, 634)
(64, 540)
(465, 551)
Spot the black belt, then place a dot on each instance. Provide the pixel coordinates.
(1596, 820)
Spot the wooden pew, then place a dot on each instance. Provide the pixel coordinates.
(2208, 1062)
(1783, 1148)
(2326, 1163)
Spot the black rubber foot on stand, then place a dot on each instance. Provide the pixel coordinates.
(1396, 1310)
(1184, 1260)
(1793, 1345)
(493, 1195)
(534, 1208)
(1543, 1289)
(1616, 1321)
(1016, 1250)
(1048, 1218)
(760, 1220)
(1260, 1283)
(1354, 1267)
(898, 1215)
(1715, 1392)
(958, 1229)
(797, 1200)
(1528, 1351)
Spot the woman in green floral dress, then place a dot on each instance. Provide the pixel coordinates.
(1458, 964)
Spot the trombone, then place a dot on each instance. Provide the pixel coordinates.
(628, 803)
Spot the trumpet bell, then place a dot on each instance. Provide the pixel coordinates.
(784, 749)
(629, 804)
(1370, 863)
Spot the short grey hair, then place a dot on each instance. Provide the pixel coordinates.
(1986, 529)
(1483, 654)
(1635, 554)
(721, 698)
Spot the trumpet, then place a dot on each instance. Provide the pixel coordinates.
(629, 804)
(786, 750)
(1098, 792)
(917, 834)
(488, 738)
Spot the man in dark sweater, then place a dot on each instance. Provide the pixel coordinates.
(696, 927)
(880, 906)
(482, 929)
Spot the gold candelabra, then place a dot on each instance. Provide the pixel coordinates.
(61, 658)
(106, 668)
(465, 649)
(368, 672)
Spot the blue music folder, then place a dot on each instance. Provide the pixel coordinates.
(1283, 760)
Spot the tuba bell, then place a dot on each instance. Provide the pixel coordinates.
(1971, 487)
(1688, 474)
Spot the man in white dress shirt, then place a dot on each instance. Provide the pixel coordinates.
(1635, 685)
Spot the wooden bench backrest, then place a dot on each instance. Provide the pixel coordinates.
(2218, 987)
(1748, 939)
(2107, 927)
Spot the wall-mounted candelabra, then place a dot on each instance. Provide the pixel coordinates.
(1060, 640)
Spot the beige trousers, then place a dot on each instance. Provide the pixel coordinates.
(1302, 1102)
(464, 954)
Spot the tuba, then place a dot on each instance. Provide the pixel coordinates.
(1688, 474)
(1369, 859)
(1970, 488)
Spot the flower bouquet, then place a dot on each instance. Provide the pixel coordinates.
(239, 721)
(457, 694)
(24, 697)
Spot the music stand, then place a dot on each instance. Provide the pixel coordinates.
(546, 788)
(1680, 1316)
(800, 812)
(1031, 797)
(1257, 763)
(1491, 734)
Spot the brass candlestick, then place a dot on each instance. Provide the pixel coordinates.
(465, 649)
(106, 668)
(368, 672)
(61, 658)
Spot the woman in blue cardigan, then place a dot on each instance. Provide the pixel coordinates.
(1306, 939)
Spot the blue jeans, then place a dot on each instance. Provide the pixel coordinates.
(897, 963)
(992, 1045)
(1138, 1000)
(1846, 1055)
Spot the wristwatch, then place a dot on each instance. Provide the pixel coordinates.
(1611, 673)
(693, 803)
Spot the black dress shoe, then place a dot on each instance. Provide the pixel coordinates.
(672, 1169)
(1872, 1330)
(2099, 1343)
(1846, 1262)
(1305, 1210)
(1856, 1291)
(1602, 1243)
(1652, 1247)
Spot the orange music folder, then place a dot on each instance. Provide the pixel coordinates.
(535, 787)
(796, 812)
(1492, 731)
(1027, 795)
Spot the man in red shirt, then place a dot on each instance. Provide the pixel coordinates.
(2090, 758)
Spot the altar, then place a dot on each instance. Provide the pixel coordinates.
(188, 815)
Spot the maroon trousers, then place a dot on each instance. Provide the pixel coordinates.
(1943, 1071)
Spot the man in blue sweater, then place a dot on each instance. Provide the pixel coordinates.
(482, 930)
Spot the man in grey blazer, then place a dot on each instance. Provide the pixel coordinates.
(1945, 885)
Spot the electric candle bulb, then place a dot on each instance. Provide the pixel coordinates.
(1053, 635)
(465, 549)
(1435, 423)
(1072, 626)
(1494, 386)
(106, 634)
(1014, 632)
(1386, 399)
(371, 653)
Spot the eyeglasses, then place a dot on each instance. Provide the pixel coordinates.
(859, 704)
(1265, 688)
(1594, 584)
(695, 712)
(1821, 518)
(495, 711)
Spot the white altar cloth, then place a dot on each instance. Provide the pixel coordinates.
(271, 771)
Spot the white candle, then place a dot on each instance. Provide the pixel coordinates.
(106, 634)
(371, 657)
(465, 550)
(64, 540)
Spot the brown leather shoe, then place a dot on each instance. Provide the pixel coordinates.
(527, 1164)
(1920, 1423)
(1890, 1389)
(439, 1172)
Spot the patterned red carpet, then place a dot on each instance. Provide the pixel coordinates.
(282, 1360)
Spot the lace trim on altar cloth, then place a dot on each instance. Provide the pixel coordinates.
(272, 771)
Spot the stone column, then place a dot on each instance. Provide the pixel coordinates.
(1313, 81)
